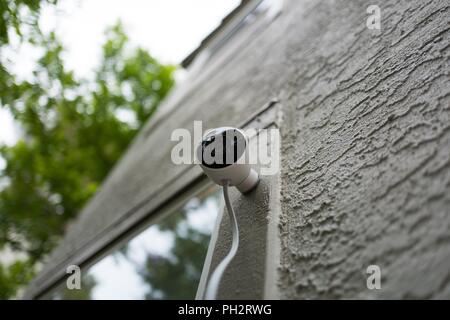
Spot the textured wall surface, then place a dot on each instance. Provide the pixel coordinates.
(365, 175)
(366, 151)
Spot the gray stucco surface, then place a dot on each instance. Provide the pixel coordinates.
(366, 151)
(365, 175)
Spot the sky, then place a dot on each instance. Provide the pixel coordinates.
(168, 29)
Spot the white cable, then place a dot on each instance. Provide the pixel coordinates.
(214, 281)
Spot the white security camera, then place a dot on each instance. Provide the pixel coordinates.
(222, 157)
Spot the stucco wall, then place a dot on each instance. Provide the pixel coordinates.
(366, 151)
(365, 174)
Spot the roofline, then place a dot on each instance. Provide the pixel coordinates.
(206, 41)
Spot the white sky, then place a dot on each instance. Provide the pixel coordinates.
(169, 29)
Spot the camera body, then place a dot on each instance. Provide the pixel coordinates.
(221, 154)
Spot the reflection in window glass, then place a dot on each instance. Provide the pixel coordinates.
(163, 262)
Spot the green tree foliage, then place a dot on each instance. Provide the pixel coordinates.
(73, 132)
(17, 15)
(17, 274)
(18, 18)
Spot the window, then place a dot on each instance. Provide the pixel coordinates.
(163, 262)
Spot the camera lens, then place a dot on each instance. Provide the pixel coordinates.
(222, 148)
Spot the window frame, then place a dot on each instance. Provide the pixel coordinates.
(172, 207)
